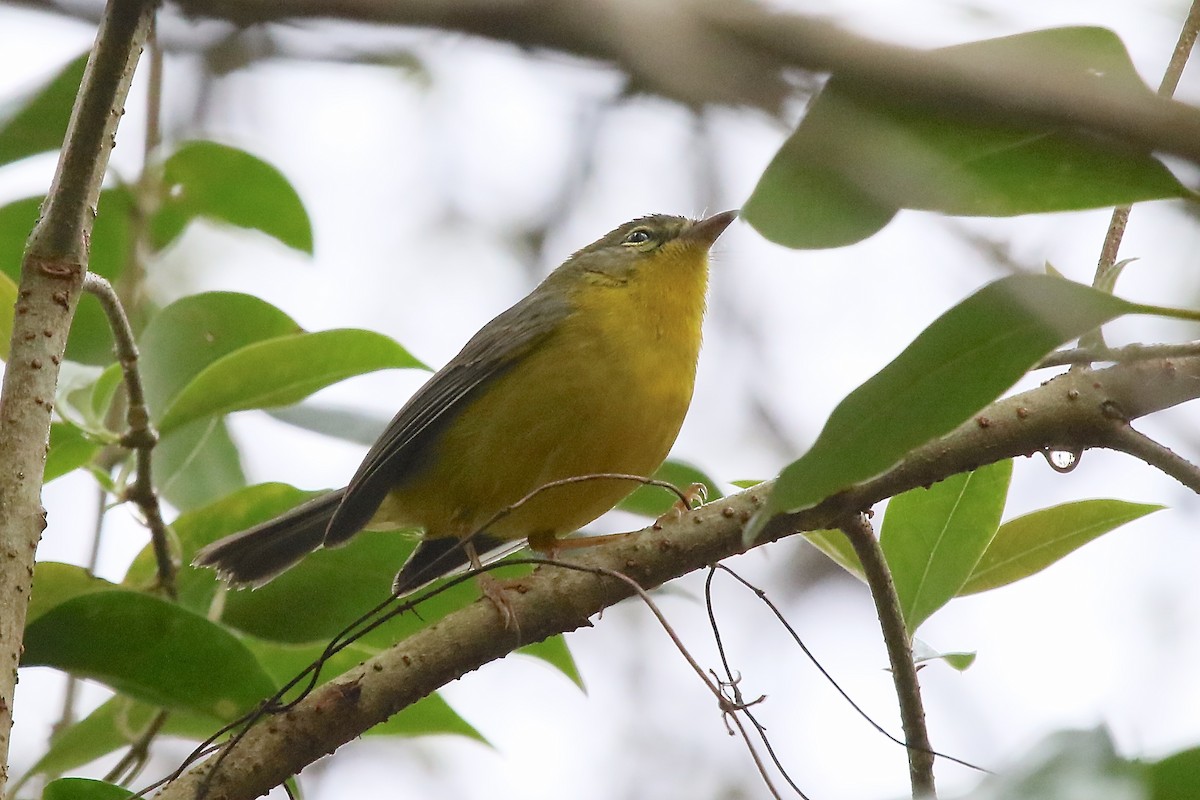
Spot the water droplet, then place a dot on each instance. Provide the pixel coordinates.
(1062, 460)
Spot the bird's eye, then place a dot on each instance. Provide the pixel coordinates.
(637, 236)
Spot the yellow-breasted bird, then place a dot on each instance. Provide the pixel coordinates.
(592, 372)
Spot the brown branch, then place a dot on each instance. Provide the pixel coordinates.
(52, 271)
(735, 52)
(1078, 410)
(899, 649)
(140, 437)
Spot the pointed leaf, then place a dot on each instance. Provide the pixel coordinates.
(282, 371)
(137, 644)
(206, 179)
(967, 358)
(858, 156)
(193, 332)
(198, 464)
(959, 660)
(554, 651)
(1031, 543)
(933, 538)
(37, 122)
(834, 544)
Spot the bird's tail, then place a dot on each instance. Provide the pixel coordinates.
(258, 554)
(437, 558)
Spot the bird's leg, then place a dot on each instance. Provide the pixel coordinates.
(491, 588)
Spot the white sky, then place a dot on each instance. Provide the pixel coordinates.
(439, 172)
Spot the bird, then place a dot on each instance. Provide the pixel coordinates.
(590, 374)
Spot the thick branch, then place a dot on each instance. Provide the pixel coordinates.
(1075, 410)
(52, 272)
(735, 52)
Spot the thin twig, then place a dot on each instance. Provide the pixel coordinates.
(1166, 88)
(140, 436)
(762, 596)
(1157, 455)
(131, 764)
(733, 683)
(900, 655)
(1117, 355)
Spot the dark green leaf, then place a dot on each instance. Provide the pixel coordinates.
(1174, 777)
(83, 789)
(956, 366)
(281, 371)
(858, 155)
(55, 583)
(652, 501)
(37, 122)
(150, 649)
(933, 538)
(206, 179)
(1031, 543)
(430, 715)
(194, 529)
(116, 723)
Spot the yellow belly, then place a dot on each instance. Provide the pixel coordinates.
(607, 392)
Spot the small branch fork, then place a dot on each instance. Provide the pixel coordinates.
(140, 437)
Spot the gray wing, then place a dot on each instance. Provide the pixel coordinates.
(402, 449)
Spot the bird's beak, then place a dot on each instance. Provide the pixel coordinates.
(707, 230)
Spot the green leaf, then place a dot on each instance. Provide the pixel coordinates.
(37, 122)
(282, 371)
(1033, 542)
(933, 538)
(653, 501)
(430, 715)
(83, 789)
(859, 155)
(349, 424)
(150, 649)
(958, 660)
(194, 529)
(90, 341)
(69, 450)
(217, 182)
(967, 358)
(834, 544)
(554, 651)
(197, 464)
(55, 583)
(1068, 764)
(116, 723)
(1175, 776)
(195, 331)
(8, 299)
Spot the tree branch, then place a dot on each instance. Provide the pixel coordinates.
(52, 271)
(140, 437)
(900, 655)
(1076, 410)
(736, 52)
